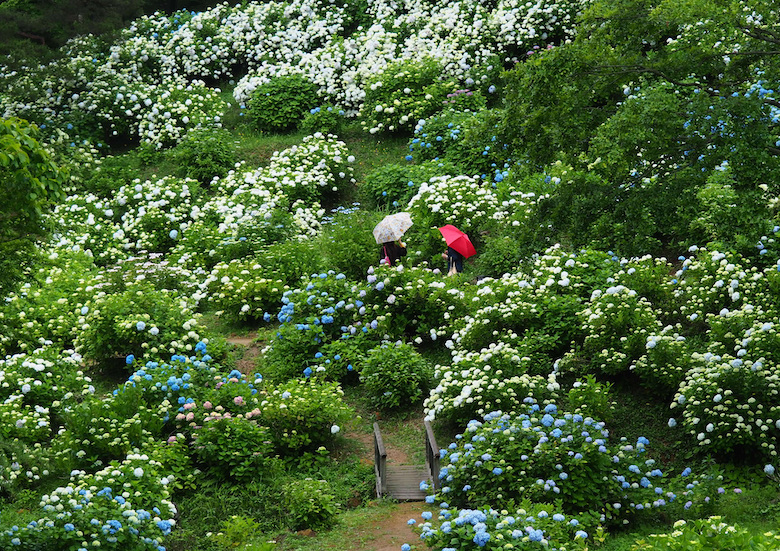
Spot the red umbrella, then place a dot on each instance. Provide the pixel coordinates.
(458, 240)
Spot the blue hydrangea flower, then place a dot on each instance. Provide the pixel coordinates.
(481, 538)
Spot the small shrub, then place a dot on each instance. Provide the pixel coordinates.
(242, 290)
(304, 414)
(103, 430)
(291, 260)
(404, 93)
(138, 321)
(280, 104)
(530, 525)
(394, 185)
(591, 398)
(468, 139)
(347, 244)
(616, 324)
(240, 532)
(233, 449)
(549, 456)
(205, 153)
(395, 375)
(709, 533)
(310, 504)
(291, 352)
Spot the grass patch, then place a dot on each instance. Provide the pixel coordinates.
(373, 152)
(356, 530)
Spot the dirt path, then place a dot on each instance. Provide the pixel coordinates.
(393, 530)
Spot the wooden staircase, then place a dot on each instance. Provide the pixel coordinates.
(402, 482)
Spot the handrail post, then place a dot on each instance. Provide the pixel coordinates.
(380, 462)
(432, 455)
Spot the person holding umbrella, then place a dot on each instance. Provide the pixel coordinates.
(454, 261)
(388, 232)
(459, 246)
(392, 251)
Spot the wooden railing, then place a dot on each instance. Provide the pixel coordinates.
(432, 455)
(432, 465)
(380, 462)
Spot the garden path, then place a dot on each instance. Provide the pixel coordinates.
(389, 531)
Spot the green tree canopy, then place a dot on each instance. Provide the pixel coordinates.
(656, 97)
(29, 182)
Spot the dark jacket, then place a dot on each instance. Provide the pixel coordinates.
(392, 250)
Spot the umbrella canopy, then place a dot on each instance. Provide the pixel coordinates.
(392, 227)
(458, 240)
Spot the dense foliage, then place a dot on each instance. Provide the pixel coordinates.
(614, 163)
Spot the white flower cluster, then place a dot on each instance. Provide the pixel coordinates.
(242, 290)
(478, 383)
(459, 200)
(153, 212)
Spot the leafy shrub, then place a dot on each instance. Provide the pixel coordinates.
(153, 212)
(347, 244)
(48, 308)
(667, 360)
(111, 173)
(204, 154)
(234, 449)
(412, 303)
(43, 376)
(535, 314)
(727, 404)
(342, 359)
(123, 505)
(500, 253)
(547, 456)
(292, 260)
(616, 325)
(327, 119)
(730, 217)
(404, 93)
(291, 352)
(138, 321)
(530, 525)
(313, 170)
(467, 139)
(234, 234)
(280, 104)
(496, 378)
(394, 185)
(591, 398)
(101, 430)
(242, 290)
(465, 100)
(585, 210)
(395, 375)
(310, 504)
(324, 303)
(706, 533)
(303, 414)
(240, 531)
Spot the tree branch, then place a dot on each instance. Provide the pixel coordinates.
(764, 35)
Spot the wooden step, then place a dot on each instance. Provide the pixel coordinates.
(403, 482)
